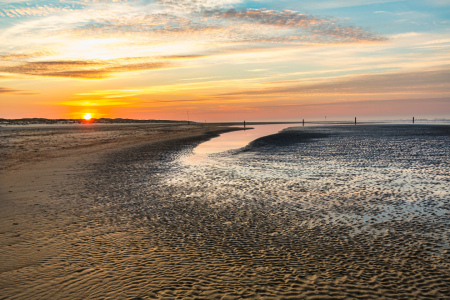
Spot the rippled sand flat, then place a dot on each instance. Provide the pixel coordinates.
(343, 212)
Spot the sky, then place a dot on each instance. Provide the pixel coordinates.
(227, 60)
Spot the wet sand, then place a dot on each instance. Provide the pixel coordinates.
(44, 208)
(102, 223)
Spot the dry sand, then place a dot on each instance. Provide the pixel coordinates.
(76, 223)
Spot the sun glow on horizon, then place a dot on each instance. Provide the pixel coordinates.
(87, 116)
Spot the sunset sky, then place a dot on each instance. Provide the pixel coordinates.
(226, 60)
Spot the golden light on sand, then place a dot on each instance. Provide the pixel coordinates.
(87, 116)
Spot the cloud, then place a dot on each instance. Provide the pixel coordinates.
(377, 102)
(12, 57)
(396, 14)
(305, 26)
(330, 4)
(23, 10)
(386, 108)
(5, 90)
(97, 102)
(95, 40)
(89, 69)
(417, 82)
(440, 2)
(197, 5)
(224, 26)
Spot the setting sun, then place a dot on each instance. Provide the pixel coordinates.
(87, 116)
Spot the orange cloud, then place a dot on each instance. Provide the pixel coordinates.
(414, 82)
(86, 69)
(5, 90)
(95, 103)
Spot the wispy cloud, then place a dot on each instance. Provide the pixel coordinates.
(198, 5)
(439, 2)
(329, 4)
(395, 13)
(96, 40)
(98, 102)
(380, 109)
(372, 102)
(5, 90)
(305, 27)
(418, 82)
(13, 57)
(24, 10)
(88, 69)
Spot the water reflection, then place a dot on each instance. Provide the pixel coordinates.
(238, 139)
(234, 140)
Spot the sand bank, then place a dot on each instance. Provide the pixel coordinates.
(25, 144)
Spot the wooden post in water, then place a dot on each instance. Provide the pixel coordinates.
(303, 122)
(413, 120)
(244, 124)
(355, 120)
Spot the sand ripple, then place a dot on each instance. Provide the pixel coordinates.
(351, 214)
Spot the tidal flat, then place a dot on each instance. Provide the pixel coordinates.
(319, 212)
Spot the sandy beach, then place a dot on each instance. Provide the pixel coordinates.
(37, 225)
(111, 213)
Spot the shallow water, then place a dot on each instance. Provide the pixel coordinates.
(231, 141)
(237, 139)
